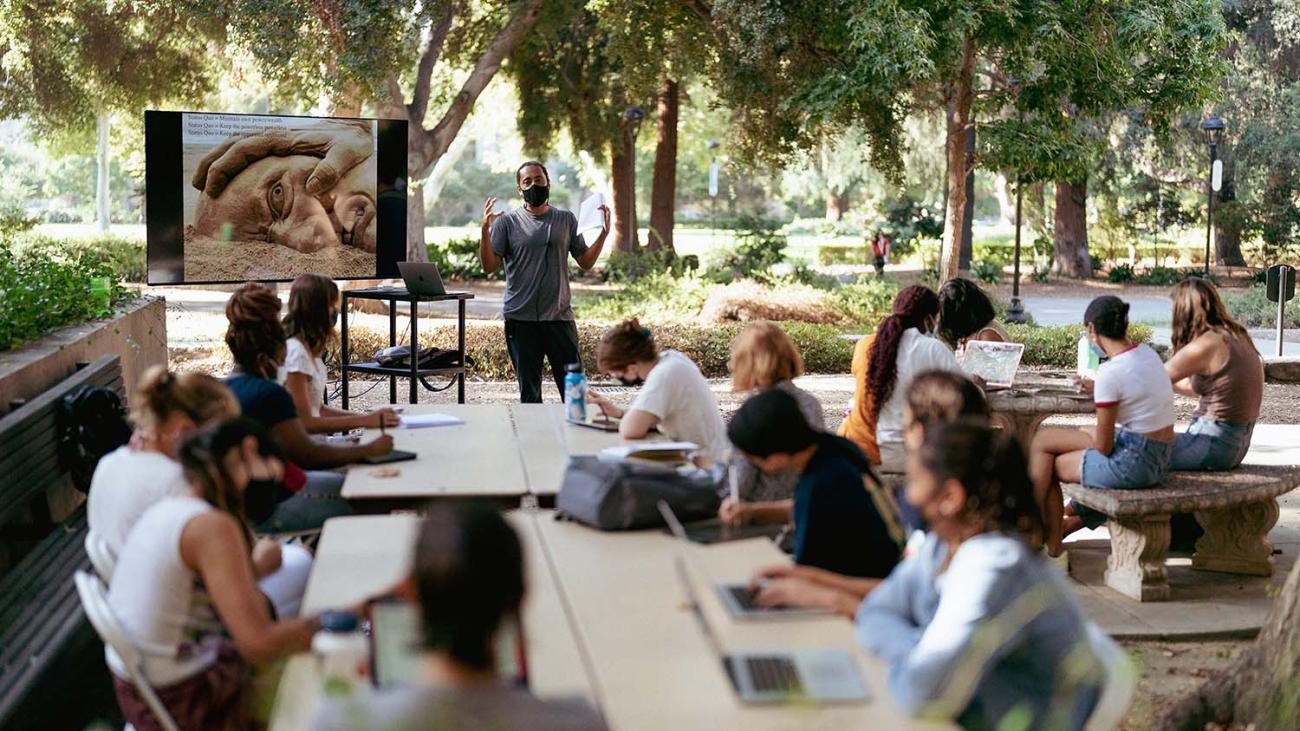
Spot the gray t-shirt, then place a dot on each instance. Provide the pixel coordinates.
(486, 708)
(535, 251)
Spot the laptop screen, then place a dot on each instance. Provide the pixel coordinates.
(996, 363)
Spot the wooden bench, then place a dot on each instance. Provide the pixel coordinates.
(1237, 509)
(41, 620)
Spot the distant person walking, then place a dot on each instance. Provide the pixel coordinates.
(534, 243)
(880, 250)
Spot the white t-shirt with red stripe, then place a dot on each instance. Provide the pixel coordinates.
(1135, 381)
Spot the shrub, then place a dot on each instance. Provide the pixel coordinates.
(759, 247)
(1253, 309)
(831, 254)
(126, 257)
(803, 274)
(1121, 273)
(749, 300)
(867, 301)
(14, 220)
(459, 259)
(659, 297)
(986, 271)
(1057, 346)
(43, 291)
(624, 267)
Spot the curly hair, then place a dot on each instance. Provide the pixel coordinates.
(992, 469)
(964, 309)
(1199, 309)
(624, 344)
(911, 308)
(254, 333)
(308, 318)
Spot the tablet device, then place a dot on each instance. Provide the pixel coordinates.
(394, 643)
(397, 455)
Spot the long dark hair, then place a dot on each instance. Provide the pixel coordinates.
(964, 309)
(469, 576)
(992, 468)
(203, 459)
(253, 331)
(1198, 309)
(308, 318)
(911, 308)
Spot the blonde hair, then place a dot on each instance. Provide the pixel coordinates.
(762, 355)
(1198, 309)
(161, 393)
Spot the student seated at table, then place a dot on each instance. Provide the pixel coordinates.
(935, 397)
(883, 365)
(165, 408)
(256, 338)
(977, 627)
(674, 398)
(1131, 445)
(186, 556)
(1215, 361)
(469, 580)
(764, 357)
(844, 519)
(309, 325)
(966, 313)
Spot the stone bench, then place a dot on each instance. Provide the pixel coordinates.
(1237, 509)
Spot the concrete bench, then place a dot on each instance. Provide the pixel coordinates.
(1237, 509)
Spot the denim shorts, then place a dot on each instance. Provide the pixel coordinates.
(1134, 462)
(1211, 445)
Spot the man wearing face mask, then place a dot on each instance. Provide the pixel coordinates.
(534, 243)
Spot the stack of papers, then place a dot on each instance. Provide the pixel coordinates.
(589, 214)
(649, 450)
(419, 421)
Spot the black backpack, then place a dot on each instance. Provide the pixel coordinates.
(92, 423)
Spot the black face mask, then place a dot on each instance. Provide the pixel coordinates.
(260, 499)
(631, 382)
(536, 195)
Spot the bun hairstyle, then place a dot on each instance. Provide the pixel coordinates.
(254, 333)
(1198, 309)
(1108, 314)
(469, 576)
(308, 319)
(912, 307)
(940, 397)
(162, 393)
(964, 309)
(762, 356)
(991, 467)
(624, 344)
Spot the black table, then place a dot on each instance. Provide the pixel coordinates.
(414, 372)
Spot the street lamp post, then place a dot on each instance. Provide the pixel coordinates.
(1016, 312)
(713, 189)
(633, 117)
(1213, 128)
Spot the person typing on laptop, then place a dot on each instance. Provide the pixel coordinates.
(469, 579)
(534, 243)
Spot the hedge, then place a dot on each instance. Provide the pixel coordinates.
(40, 292)
(1057, 346)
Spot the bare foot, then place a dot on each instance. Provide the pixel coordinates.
(1071, 524)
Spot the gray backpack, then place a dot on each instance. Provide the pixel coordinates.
(626, 495)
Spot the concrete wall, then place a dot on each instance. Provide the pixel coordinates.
(137, 334)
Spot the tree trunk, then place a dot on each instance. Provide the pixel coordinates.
(837, 204)
(1227, 221)
(1071, 230)
(958, 163)
(1034, 207)
(1260, 688)
(102, 170)
(416, 247)
(1006, 201)
(967, 229)
(663, 191)
(622, 163)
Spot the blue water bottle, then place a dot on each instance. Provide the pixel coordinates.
(575, 393)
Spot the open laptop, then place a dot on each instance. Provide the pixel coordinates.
(781, 676)
(738, 597)
(397, 646)
(995, 362)
(422, 278)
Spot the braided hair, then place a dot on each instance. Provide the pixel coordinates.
(912, 307)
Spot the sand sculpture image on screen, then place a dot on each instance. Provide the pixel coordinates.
(271, 198)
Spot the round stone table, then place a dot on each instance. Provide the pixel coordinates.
(1022, 408)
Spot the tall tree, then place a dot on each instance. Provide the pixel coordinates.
(69, 65)
(401, 57)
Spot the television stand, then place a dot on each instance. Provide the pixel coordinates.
(414, 372)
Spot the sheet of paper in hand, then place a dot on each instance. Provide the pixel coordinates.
(589, 215)
(996, 363)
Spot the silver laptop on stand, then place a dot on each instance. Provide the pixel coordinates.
(778, 676)
(422, 278)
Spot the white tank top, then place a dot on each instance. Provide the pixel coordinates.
(157, 598)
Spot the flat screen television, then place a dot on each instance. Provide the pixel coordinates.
(239, 197)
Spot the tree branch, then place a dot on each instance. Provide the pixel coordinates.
(424, 72)
(701, 9)
(436, 140)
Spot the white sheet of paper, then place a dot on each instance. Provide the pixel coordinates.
(589, 215)
(628, 450)
(995, 362)
(418, 421)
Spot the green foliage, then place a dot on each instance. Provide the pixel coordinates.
(43, 291)
(14, 221)
(1164, 276)
(1057, 346)
(867, 301)
(985, 270)
(1252, 308)
(622, 267)
(832, 254)
(657, 296)
(759, 247)
(1121, 273)
(125, 257)
(906, 222)
(459, 259)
